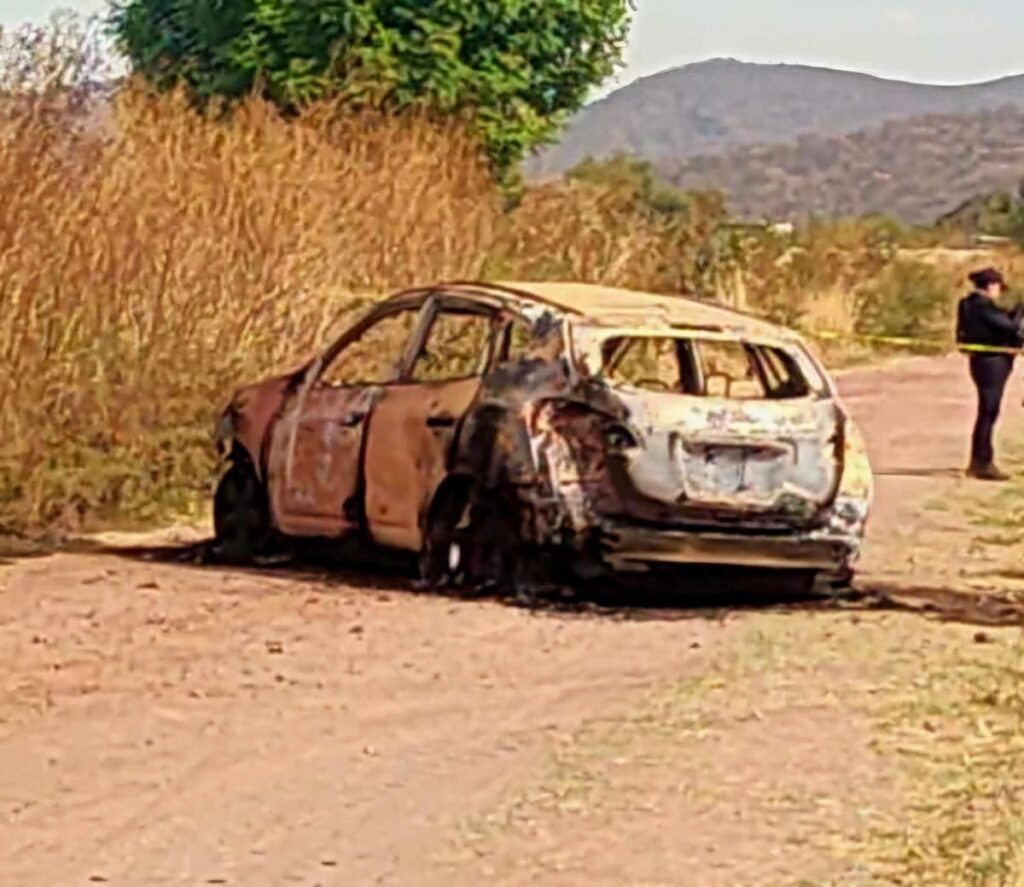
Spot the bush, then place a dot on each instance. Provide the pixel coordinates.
(803, 280)
(908, 299)
(145, 273)
(605, 232)
(628, 174)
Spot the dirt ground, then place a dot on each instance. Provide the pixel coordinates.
(168, 723)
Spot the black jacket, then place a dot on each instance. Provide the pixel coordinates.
(981, 322)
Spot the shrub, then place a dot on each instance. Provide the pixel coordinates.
(908, 299)
(788, 278)
(605, 231)
(145, 273)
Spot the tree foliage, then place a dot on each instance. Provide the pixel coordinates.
(998, 213)
(635, 175)
(517, 66)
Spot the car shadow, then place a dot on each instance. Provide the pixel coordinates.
(710, 594)
(328, 564)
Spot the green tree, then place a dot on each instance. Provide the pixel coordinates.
(519, 67)
(627, 172)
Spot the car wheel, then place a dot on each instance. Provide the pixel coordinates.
(441, 551)
(473, 542)
(241, 519)
(817, 585)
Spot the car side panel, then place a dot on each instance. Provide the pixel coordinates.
(409, 442)
(313, 465)
(253, 410)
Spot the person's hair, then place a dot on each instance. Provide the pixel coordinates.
(984, 278)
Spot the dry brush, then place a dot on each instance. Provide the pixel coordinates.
(151, 261)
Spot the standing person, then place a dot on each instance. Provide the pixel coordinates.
(980, 321)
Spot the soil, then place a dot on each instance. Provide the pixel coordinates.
(165, 722)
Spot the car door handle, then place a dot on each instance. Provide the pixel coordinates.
(351, 420)
(442, 421)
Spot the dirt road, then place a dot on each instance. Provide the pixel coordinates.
(164, 723)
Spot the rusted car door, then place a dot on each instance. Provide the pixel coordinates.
(415, 423)
(316, 446)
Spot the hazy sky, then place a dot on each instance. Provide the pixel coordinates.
(941, 41)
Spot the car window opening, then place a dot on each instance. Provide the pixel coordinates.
(374, 356)
(717, 368)
(457, 346)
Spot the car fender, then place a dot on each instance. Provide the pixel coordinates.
(246, 423)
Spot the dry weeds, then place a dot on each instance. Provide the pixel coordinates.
(600, 233)
(957, 728)
(148, 268)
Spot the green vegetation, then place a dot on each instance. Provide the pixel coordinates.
(638, 178)
(998, 214)
(908, 299)
(517, 69)
(615, 222)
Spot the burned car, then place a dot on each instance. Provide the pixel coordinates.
(499, 430)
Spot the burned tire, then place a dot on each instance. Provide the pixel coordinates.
(241, 518)
(473, 543)
(812, 585)
(442, 537)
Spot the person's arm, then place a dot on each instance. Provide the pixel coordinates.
(993, 316)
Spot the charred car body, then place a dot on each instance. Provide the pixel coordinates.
(495, 429)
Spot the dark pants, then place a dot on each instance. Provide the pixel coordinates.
(990, 373)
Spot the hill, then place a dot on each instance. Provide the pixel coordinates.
(715, 106)
(915, 170)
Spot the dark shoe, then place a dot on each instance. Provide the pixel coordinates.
(987, 472)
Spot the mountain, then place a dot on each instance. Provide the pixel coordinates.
(718, 105)
(916, 169)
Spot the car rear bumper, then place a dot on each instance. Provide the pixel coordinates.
(627, 545)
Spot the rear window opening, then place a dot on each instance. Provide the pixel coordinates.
(698, 367)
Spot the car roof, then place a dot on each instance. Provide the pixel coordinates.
(614, 306)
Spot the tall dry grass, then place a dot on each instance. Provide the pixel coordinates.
(600, 233)
(150, 263)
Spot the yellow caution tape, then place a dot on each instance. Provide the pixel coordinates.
(909, 342)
